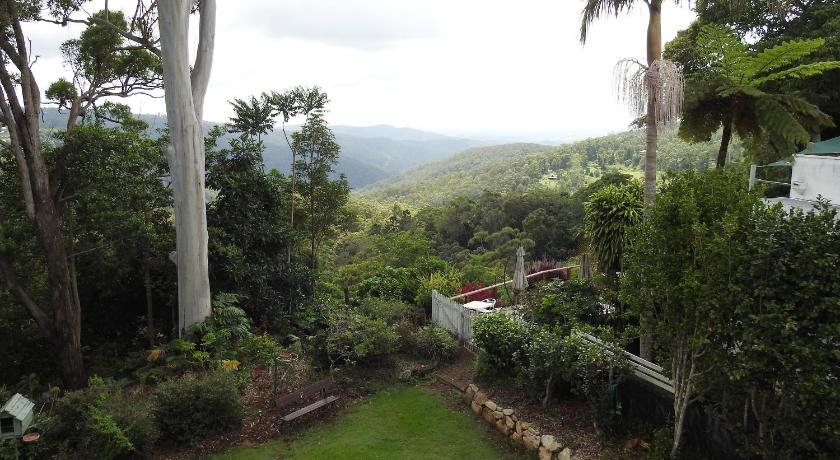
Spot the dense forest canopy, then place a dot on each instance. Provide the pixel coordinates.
(518, 167)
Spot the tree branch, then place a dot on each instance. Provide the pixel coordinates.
(20, 294)
(200, 77)
(147, 44)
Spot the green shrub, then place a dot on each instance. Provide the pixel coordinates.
(101, 421)
(198, 405)
(547, 359)
(228, 323)
(388, 310)
(391, 283)
(351, 337)
(435, 342)
(445, 282)
(566, 303)
(743, 301)
(501, 338)
(259, 350)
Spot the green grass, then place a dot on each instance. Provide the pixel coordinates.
(397, 423)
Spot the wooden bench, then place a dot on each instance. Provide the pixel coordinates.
(320, 390)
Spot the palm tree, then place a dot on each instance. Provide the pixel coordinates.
(654, 90)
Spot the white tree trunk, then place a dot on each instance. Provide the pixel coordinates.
(185, 153)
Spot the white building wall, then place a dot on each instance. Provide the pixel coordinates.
(815, 175)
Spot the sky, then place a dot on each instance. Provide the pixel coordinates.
(477, 68)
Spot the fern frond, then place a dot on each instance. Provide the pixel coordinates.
(778, 122)
(781, 55)
(801, 71)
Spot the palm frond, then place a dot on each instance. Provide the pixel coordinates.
(785, 131)
(663, 81)
(596, 9)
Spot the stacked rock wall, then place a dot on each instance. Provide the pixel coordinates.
(508, 423)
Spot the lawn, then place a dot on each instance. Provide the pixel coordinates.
(396, 423)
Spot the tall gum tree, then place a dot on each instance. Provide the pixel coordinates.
(185, 90)
(185, 87)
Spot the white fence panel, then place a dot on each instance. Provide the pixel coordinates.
(452, 316)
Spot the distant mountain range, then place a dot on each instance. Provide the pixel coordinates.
(368, 154)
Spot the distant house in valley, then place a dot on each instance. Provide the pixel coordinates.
(815, 174)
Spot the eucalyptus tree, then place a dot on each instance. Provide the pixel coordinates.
(185, 85)
(101, 67)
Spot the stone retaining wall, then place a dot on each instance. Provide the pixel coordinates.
(506, 422)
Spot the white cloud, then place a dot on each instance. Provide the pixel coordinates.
(459, 66)
(361, 24)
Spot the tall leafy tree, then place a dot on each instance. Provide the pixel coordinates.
(323, 196)
(101, 68)
(250, 230)
(736, 89)
(767, 25)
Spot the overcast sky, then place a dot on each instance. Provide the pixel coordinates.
(463, 67)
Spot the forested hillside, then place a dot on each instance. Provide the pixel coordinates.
(516, 167)
(368, 154)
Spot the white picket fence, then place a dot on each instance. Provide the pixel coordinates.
(641, 368)
(452, 316)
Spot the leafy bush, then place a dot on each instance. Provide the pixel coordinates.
(351, 337)
(391, 283)
(547, 359)
(388, 310)
(745, 308)
(101, 421)
(198, 405)
(227, 323)
(435, 342)
(599, 371)
(609, 213)
(445, 282)
(501, 338)
(566, 303)
(259, 350)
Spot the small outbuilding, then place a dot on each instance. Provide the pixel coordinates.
(15, 417)
(815, 175)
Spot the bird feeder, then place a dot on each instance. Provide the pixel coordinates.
(15, 417)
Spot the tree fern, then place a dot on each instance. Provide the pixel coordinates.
(729, 89)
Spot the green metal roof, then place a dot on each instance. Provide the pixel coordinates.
(831, 146)
(779, 164)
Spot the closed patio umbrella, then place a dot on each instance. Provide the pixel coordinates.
(520, 282)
